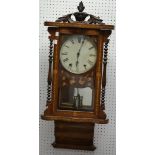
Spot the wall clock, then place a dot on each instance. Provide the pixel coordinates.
(77, 78)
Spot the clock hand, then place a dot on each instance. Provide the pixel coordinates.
(77, 58)
(77, 62)
(77, 67)
(78, 53)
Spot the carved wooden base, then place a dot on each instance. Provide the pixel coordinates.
(73, 135)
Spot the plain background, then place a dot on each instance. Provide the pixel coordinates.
(19, 78)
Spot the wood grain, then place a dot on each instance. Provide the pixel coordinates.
(80, 25)
(74, 135)
(75, 129)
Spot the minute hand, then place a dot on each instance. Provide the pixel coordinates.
(81, 46)
(78, 54)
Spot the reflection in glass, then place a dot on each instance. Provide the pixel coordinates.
(76, 98)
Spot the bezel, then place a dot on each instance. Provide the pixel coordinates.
(62, 42)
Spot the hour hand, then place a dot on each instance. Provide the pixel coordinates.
(70, 66)
(77, 62)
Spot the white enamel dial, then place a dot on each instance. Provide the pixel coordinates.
(78, 54)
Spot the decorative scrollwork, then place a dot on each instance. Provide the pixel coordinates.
(49, 87)
(80, 17)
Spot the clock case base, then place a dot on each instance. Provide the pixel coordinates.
(74, 135)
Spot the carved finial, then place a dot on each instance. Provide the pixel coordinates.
(81, 7)
(80, 17)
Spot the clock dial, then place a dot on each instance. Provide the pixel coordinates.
(78, 54)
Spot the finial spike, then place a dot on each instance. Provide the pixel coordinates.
(81, 7)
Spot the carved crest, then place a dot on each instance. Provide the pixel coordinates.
(80, 17)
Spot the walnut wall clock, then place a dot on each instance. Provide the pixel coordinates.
(77, 78)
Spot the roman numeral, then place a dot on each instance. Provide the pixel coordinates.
(92, 55)
(64, 60)
(72, 41)
(85, 66)
(79, 39)
(64, 53)
(90, 62)
(66, 46)
(91, 47)
(70, 66)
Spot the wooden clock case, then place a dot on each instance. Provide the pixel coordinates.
(75, 129)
